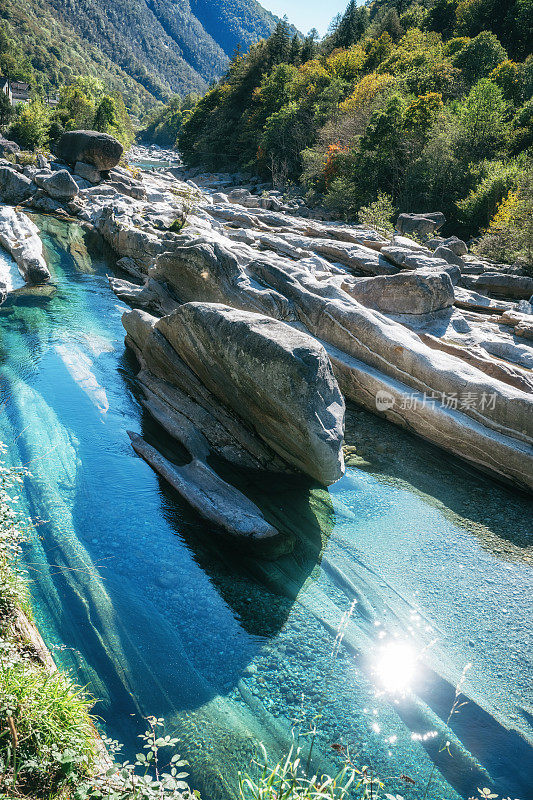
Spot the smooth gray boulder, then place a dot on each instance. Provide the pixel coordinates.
(125, 237)
(87, 171)
(151, 297)
(420, 224)
(275, 378)
(173, 393)
(20, 237)
(203, 269)
(405, 258)
(99, 149)
(8, 147)
(40, 201)
(14, 187)
(501, 284)
(456, 245)
(448, 255)
(466, 298)
(380, 363)
(59, 185)
(356, 257)
(419, 292)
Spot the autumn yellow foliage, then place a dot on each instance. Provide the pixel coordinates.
(366, 90)
(346, 64)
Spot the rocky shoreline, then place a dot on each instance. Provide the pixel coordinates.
(253, 321)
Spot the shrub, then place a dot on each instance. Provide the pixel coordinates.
(509, 236)
(379, 214)
(31, 125)
(51, 741)
(496, 178)
(484, 128)
(343, 198)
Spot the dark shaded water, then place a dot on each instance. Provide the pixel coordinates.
(420, 563)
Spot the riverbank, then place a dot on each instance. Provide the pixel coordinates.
(48, 741)
(50, 746)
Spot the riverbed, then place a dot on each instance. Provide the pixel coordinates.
(407, 578)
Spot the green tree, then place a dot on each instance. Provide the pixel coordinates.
(441, 17)
(105, 117)
(6, 109)
(350, 27)
(31, 125)
(509, 77)
(422, 113)
(310, 46)
(511, 21)
(285, 135)
(76, 108)
(280, 43)
(295, 51)
(483, 121)
(480, 56)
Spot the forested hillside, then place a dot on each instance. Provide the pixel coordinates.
(144, 48)
(426, 103)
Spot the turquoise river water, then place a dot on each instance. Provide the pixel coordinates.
(406, 578)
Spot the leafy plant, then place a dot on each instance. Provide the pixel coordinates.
(147, 778)
(379, 214)
(509, 236)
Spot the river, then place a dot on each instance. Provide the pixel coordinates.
(407, 577)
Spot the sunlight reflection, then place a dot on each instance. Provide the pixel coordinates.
(396, 667)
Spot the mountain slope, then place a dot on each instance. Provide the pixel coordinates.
(143, 47)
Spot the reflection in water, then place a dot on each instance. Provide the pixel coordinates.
(402, 573)
(396, 667)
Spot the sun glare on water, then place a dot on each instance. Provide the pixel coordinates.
(396, 667)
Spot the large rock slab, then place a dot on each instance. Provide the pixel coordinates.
(408, 258)
(501, 284)
(126, 238)
(87, 171)
(8, 147)
(20, 237)
(99, 149)
(420, 224)
(274, 377)
(204, 269)
(173, 393)
(466, 298)
(14, 187)
(436, 394)
(59, 185)
(419, 292)
(448, 255)
(215, 500)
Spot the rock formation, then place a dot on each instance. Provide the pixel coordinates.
(14, 187)
(20, 237)
(428, 335)
(275, 378)
(99, 149)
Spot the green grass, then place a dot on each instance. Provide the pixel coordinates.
(287, 780)
(47, 737)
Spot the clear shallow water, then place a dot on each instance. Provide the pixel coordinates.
(158, 615)
(154, 164)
